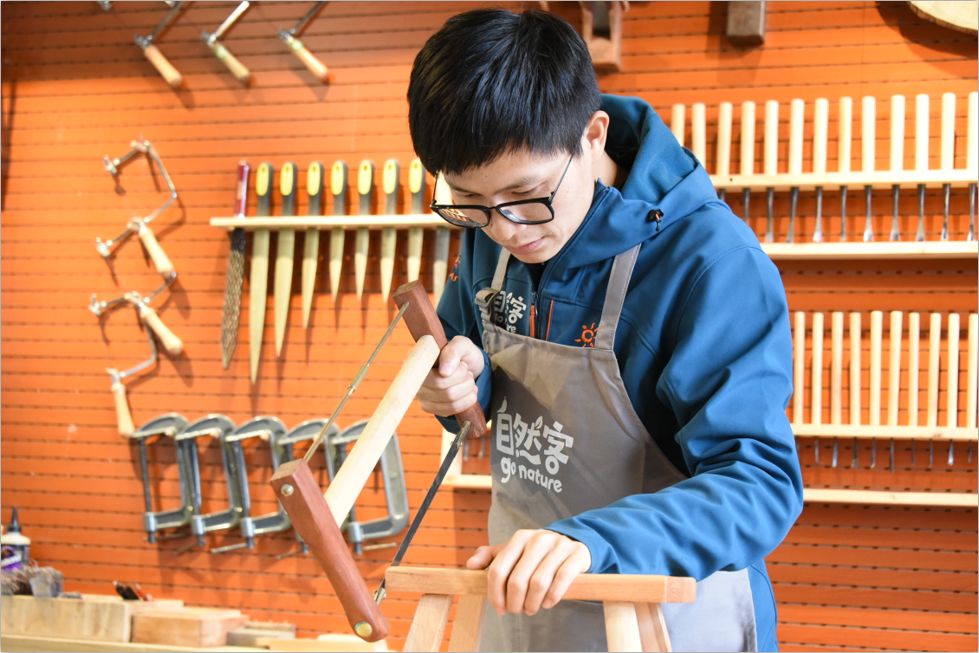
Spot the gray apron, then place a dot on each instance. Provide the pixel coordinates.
(567, 439)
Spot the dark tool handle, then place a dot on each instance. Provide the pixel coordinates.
(241, 194)
(287, 188)
(422, 320)
(314, 188)
(311, 517)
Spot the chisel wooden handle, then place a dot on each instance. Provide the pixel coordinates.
(238, 69)
(365, 191)
(338, 188)
(389, 235)
(163, 66)
(678, 119)
(914, 365)
(157, 255)
(168, 338)
(313, 65)
(748, 138)
(124, 419)
(422, 320)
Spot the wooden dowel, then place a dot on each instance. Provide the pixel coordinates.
(876, 335)
(796, 131)
(678, 121)
(934, 349)
(622, 626)
(856, 342)
(722, 166)
(698, 131)
(799, 367)
(894, 369)
(836, 370)
(428, 626)
(914, 366)
(771, 138)
(897, 132)
(747, 138)
(816, 404)
(972, 372)
(922, 111)
(846, 134)
(952, 367)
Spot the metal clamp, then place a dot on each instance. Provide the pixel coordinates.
(165, 428)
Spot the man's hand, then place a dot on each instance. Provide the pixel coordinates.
(531, 571)
(450, 388)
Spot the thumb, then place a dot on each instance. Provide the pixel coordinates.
(460, 350)
(481, 558)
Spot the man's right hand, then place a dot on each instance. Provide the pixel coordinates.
(450, 387)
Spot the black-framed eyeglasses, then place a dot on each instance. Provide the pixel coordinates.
(475, 216)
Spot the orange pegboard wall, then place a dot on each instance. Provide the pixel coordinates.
(75, 87)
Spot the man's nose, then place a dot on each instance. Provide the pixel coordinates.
(500, 229)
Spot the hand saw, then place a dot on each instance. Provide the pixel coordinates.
(316, 516)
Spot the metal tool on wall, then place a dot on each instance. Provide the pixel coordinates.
(291, 38)
(124, 418)
(843, 158)
(390, 183)
(820, 139)
(162, 430)
(416, 235)
(947, 154)
(236, 272)
(770, 165)
(140, 225)
(148, 45)
(147, 316)
(218, 427)
(365, 193)
(747, 153)
(921, 117)
(258, 284)
(212, 41)
(311, 242)
(285, 252)
(338, 188)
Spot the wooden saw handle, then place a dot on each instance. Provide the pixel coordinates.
(422, 320)
(163, 66)
(297, 490)
(152, 245)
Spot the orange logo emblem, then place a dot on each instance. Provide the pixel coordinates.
(588, 333)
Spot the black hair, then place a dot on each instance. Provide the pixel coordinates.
(491, 81)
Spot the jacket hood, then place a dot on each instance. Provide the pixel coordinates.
(665, 184)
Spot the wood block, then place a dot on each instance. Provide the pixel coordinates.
(253, 631)
(746, 22)
(105, 618)
(191, 627)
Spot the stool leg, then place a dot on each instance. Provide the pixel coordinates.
(652, 627)
(466, 626)
(428, 626)
(622, 626)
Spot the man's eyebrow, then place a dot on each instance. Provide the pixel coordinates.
(524, 181)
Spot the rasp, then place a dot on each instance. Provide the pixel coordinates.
(236, 272)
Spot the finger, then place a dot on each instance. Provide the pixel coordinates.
(482, 557)
(518, 582)
(498, 573)
(543, 577)
(447, 408)
(459, 352)
(572, 567)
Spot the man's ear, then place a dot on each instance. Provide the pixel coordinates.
(596, 132)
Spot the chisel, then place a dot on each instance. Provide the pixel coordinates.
(440, 266)
(816, 403)
(285, 253)
(389, 236)
(259, 279)
(952, 380)
(747, 151)
(856, 344)
(921, 111)
(868, 149)
(897, 158)
(820, 138)
(914, 366)
(845, 142)
(771, 163)
(947, 153)
(338, 188)
(236, 272)
(365, 192)
(972, 159)
(416, 235)
(722, 168)
(311, 243)
(796, 126)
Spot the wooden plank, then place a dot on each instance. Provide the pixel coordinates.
(191, 627)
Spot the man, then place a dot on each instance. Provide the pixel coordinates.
(621, 327)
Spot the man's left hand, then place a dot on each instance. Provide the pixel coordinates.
(533, 570)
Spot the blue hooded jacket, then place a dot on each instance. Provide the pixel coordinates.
(705, 353)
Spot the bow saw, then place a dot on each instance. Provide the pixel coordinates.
(317, 516)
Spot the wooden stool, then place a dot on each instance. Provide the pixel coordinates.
(633, 618)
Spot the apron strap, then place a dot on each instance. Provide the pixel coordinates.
(501, 264)
(618, 284)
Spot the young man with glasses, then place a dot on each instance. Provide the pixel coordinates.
(622, 328)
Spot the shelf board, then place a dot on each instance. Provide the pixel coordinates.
(947, 249)
(426, 220)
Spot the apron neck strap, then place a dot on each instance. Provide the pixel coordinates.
(618, 285)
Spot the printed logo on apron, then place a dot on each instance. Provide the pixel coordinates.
(532, 451)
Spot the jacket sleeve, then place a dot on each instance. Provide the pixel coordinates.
(459, 315)
(727, 379)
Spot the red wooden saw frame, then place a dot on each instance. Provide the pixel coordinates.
(317, 516)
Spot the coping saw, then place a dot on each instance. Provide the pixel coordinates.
(291, 39)
(211, 40)
(151, 52)
(316, 516)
